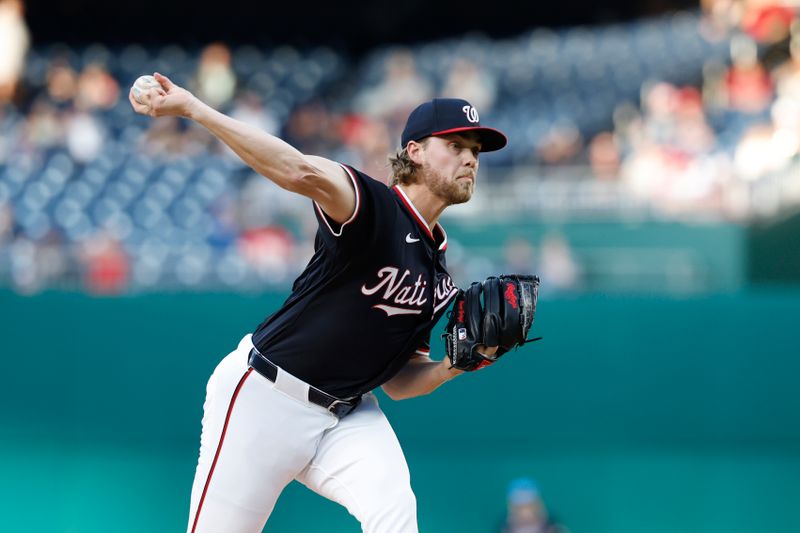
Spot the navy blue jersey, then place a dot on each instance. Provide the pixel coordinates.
(367, 300)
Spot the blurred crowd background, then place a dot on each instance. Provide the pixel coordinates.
(690, 116)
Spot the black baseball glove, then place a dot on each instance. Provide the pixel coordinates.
(498, 312)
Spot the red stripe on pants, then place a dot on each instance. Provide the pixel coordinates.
(219, 446)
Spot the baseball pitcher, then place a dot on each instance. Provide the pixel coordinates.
(294, 400)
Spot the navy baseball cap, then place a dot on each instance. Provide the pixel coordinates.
(441, 116)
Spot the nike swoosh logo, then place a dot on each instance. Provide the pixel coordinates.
(410, 239)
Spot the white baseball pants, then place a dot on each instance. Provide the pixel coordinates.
(258, 436)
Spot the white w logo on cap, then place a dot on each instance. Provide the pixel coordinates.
(472, 113)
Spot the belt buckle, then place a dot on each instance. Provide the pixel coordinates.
(342, 408)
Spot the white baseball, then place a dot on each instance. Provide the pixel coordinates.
(141, 85)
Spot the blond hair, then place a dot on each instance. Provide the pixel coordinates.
(404, 170)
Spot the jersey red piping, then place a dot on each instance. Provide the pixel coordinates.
(219, 446)
(355, 211)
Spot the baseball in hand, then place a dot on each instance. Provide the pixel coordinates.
(141, 85)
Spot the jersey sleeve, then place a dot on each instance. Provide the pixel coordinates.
(361, 228)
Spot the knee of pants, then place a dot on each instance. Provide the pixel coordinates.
(394, 510)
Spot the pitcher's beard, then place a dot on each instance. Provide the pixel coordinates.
(452, 191)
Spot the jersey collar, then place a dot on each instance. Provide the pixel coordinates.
(409, 205)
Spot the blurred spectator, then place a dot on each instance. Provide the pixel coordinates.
(169, 137)
(225, 222)
(401, 89)
(604, 156)
(720, 17)
(675, 120)
(25, 277)
(518, 255)
(786, 109)
(561, 145)
(105, 265)
(62, 82)
(43, 127)
(6, 223)
(658, 103)
(14, 42)
(671, 159)
(693, 135)
(559, 270)
(97, 89)
(52, 261)
(262, 209)
(763, 150)
(35, 266)
(714, 91)
(269, 250)
(261, 202)
(312, 129)
(249, 109)
(85, 136)
(163, 138)
(628, 126)
(465, 80)
(767, 21)
(526, 511)
(747, 84)
(215, 81)
(370, 141)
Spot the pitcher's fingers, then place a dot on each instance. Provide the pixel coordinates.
(165, 82)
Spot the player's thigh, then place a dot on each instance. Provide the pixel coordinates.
(255, 440)
(359, 464)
